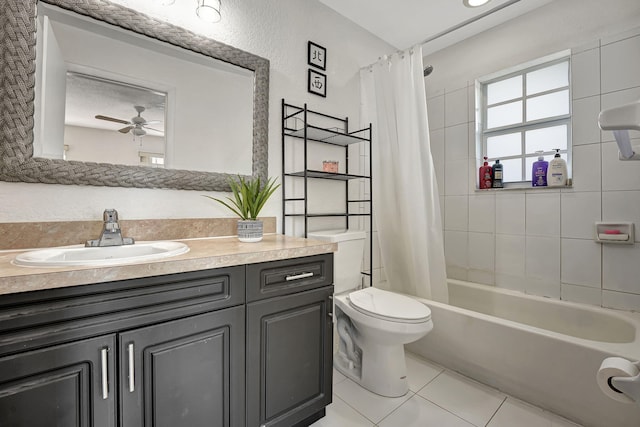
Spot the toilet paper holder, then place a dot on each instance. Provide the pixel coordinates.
(625, 385)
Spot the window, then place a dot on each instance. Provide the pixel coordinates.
(524, 112)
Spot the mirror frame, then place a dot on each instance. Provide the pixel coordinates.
(17, 93)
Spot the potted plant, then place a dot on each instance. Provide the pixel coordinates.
(249, 197)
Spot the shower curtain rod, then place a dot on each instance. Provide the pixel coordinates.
(469, 21)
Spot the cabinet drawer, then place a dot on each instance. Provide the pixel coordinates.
(45, 317)
(277, 278)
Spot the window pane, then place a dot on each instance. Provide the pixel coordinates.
(548, 78)
(511, 170)
(503, 115)
(504, 90)
(504, 145)
(546, 139)
(551, 105)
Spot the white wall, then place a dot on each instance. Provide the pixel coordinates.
(541, 242)
(278, 31)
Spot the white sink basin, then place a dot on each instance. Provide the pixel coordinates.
(101, 256)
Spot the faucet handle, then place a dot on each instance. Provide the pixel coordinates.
(110, 215)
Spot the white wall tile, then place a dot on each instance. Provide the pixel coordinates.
(581, 294)
(542, 214)
(622, 206)
(455, 107)
(481, 251)
(613, 38)
(510, 213)
(456, 178)
(455, 248)
(587, 168)
(621, 65)
(620, 268)
(456, 213)
(435, 112)
(456, 142)
(618, 174)
(458, 273)
(620, 300)
(543, 258)
(581, 262)
(483, 277)
(584, 118)
(510, 255)
(579, 213)
(482, 213)
(585, 73)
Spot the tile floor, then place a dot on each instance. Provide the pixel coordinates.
(437, 397)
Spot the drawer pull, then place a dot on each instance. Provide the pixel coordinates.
(132, 377)
(105, 373)
(298, 276)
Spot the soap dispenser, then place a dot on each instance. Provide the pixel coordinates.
(486, 175)
(557, 172)
(497, 174)
(539, 171)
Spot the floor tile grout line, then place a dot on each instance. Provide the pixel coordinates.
(447, 410)
(395, 409)
(367, 418)
(358, 412)
(497, 410)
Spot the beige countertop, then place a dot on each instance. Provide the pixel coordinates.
(203, 254)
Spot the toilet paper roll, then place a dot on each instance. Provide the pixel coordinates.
(615, 367)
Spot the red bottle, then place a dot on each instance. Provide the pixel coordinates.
(486, 175)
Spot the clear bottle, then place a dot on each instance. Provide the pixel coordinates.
(557, 172)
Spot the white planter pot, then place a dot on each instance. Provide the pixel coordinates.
(250, 231)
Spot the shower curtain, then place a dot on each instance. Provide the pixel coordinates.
(406, 203)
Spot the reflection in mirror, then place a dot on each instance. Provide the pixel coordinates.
(111, 64)
(200, 135)
(111, 122)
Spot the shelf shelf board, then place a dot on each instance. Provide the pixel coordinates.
(328, 136)
(327, 175)
(327, 215)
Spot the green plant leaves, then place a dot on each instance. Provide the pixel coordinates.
(249, 196)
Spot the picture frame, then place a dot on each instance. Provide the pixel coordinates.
(316, 55)
(317, 83)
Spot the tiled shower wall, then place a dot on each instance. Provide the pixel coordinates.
(541, 241)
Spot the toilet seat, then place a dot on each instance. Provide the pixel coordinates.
(389, 306)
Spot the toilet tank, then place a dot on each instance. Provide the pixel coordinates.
(347, 261)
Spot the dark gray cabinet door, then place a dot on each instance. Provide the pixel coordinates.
(289, 358)
(184, 373)
(66, 385)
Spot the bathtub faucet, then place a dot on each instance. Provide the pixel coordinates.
(111, 234)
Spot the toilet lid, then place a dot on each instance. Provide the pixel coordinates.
(389, 305)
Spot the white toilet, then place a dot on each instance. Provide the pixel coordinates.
(373, 325)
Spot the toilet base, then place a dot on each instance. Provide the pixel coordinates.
(383, 369)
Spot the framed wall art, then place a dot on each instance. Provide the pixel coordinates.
(317, 56)
(317, 83)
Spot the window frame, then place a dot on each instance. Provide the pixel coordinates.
(482, 107)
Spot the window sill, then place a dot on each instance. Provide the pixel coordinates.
(526, 185)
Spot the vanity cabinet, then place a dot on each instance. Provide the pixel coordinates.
(289, 341)
(249, 345)
(160, 351)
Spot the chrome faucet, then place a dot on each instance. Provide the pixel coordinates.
(111, 234)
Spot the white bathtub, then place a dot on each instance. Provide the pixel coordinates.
(544, 351)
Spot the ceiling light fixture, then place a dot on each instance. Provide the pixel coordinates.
(475, 3)
(209, 10)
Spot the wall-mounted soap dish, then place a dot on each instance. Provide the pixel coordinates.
(621, 233)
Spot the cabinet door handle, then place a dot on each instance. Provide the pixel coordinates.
(132, 377)
(105, 373)
(298, 276)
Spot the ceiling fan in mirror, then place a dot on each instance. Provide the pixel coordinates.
(138, 125)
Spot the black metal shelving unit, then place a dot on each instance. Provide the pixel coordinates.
(302, 124)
